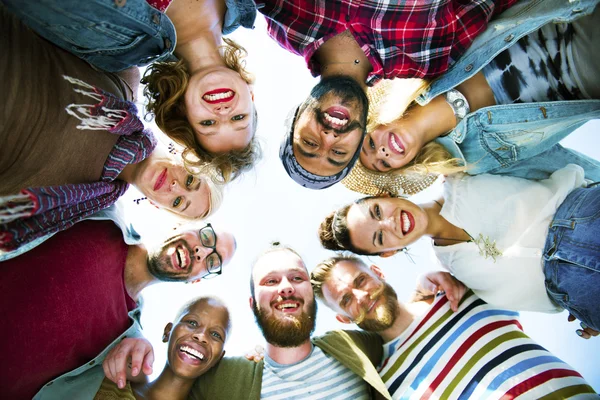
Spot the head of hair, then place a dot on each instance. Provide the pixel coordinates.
(321, 272)
(186, 307)
(166, 83)
(391, 100)
(275, 246)
(334, 233)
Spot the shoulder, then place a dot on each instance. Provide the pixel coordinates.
(217, 382)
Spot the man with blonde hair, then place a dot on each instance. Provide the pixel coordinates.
(460, 347)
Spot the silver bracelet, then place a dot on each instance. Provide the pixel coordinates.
(459, 104)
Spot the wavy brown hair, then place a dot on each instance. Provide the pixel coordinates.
(166, 83)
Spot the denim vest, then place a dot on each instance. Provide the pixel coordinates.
(114, 35)
(84, 382)
(517, 139)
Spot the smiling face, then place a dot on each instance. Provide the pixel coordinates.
(168, 185)
(390, 146)
(330, 126)
(184, 258)
(384, 225)
(220, 108)
(358, 294)
(283, 302)
(196, 341)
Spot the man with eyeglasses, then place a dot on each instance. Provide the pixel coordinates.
(74, 297)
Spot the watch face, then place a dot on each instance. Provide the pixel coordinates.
(458, 102)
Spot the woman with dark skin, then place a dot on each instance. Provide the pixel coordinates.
(195, 345)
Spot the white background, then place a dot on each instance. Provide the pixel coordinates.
(266, 205)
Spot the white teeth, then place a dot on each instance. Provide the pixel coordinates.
(395, 145)
(335, 121)
(181, 256)
(286, 305)
(192, 352)
(405, 222)
(219, 96)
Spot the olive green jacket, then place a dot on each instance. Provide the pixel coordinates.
(236, 378)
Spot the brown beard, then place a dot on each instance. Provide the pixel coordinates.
(386, 312)
(288, 332)
(158, 264)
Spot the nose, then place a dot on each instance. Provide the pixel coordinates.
(285, 288)
(361, 296)
(200, 335)
(222, 109)
(382, 153)
(200, 253)
(389, 223)
(329, 138)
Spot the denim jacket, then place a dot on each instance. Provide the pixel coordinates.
(84, 381)
(517, 139)
(114, 35)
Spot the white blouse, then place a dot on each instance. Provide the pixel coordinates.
(515, 213)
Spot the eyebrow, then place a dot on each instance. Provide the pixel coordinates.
(306, 153)
(374, 233)
(337, 163)
(242, 128)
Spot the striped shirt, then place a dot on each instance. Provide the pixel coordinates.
(318, 376)
(478, 352)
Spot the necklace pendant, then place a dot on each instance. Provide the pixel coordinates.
(487, 248)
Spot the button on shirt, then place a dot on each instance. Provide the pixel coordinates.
(400, 39)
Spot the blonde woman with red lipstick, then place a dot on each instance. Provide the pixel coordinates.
(525, 84)
(205, 101)
(195, 345)
(519, 244)
(72, 143)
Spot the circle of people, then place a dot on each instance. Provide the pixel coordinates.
(500, 84)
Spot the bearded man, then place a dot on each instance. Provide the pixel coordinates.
(336, 365)
(459, 347)
(73, 298)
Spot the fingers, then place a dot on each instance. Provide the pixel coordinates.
(138, 353)
(256, 355)
(141, 350)
(571, 318)
(148, 362)
(586, 332)
(440, 280)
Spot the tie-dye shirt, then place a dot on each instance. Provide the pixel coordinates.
(478, 352)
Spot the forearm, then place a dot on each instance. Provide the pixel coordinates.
(477, 91)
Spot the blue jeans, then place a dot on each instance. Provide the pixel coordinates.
(572, 256)
(111, 35)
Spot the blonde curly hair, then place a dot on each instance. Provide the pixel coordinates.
(166, 83)
(391, 100)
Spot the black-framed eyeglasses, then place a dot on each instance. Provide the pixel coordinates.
(214, 264)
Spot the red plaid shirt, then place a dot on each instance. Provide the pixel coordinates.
(403, 39)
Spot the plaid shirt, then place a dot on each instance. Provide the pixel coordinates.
(401, 39)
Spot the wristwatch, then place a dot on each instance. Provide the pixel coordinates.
(459, 104)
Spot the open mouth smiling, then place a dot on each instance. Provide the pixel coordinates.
(287, 306)
(180, 259)
(218, 96)
(192, 355)
(407, 222)
(395, 145)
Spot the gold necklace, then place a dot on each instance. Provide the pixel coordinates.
(487, 248)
